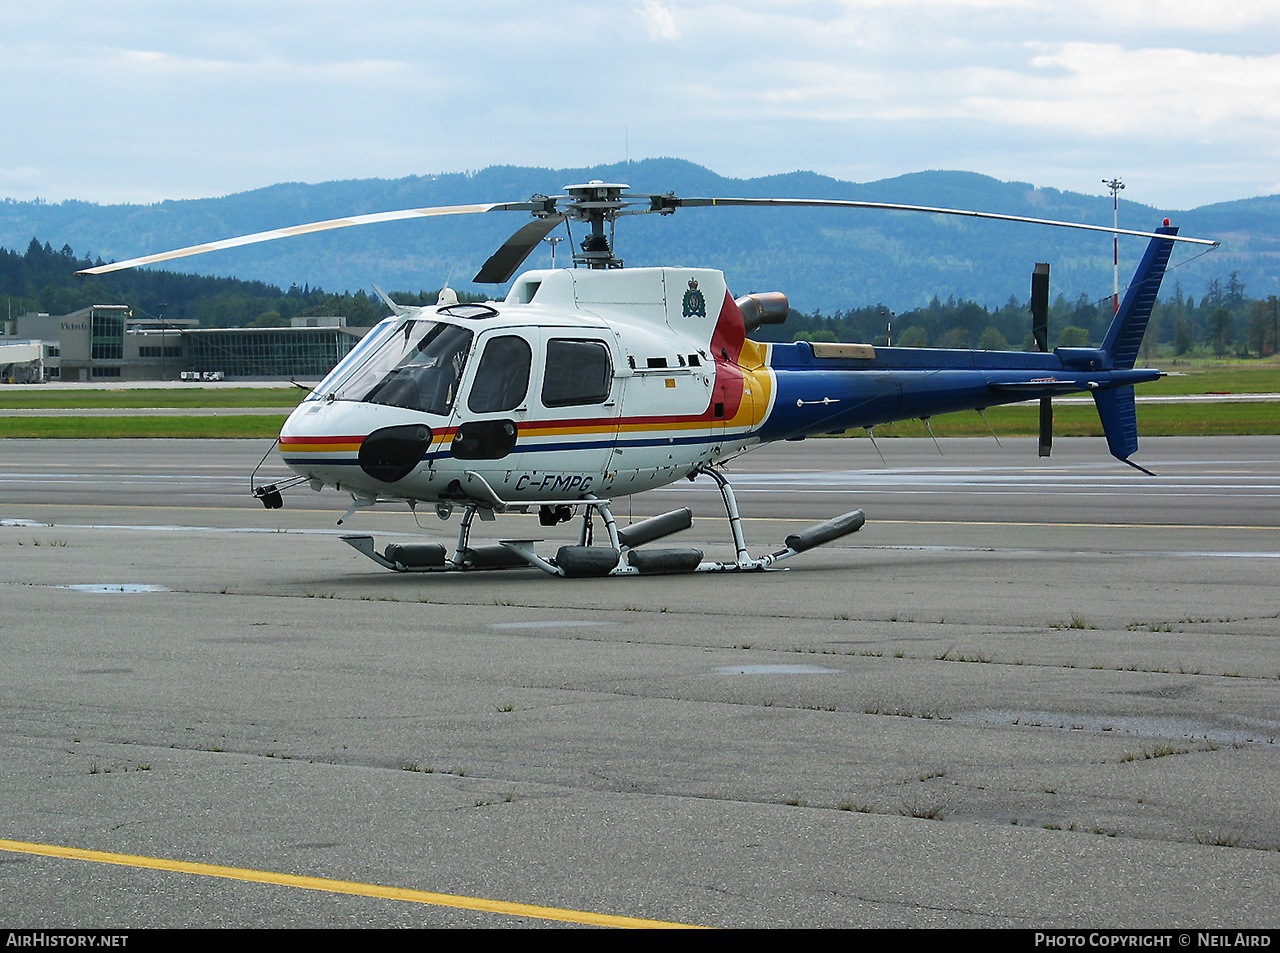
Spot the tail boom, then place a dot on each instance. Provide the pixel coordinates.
(828, 388)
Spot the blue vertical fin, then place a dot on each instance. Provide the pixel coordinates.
(1119, 416)
(1124, 337)
(1117, 406)
(1119, 413)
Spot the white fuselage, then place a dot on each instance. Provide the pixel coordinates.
(580, 383)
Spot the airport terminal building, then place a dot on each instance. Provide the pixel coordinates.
(105, 342)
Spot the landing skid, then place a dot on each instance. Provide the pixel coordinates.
(621, 557)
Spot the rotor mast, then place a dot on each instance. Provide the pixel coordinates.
(596, 203)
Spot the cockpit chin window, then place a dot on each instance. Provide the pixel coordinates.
(419, 367)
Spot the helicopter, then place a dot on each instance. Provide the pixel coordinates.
(595, 382)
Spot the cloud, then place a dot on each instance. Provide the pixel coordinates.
(1109, 89)
(659, 20)
(153, 100)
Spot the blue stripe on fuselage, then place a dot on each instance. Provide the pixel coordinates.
(816, 395)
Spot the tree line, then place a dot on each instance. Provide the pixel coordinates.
(1223, 321)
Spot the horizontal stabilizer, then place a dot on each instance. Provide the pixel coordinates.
(1062, 387)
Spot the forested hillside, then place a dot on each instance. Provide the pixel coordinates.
(824, 259)
(42, 279)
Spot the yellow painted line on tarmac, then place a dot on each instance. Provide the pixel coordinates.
(344, 886)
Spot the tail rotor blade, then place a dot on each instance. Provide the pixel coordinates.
(1040, 332)
(1046, 426)
(1040, 306)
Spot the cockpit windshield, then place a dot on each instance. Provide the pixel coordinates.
(419, 367)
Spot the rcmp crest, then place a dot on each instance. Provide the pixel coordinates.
(694, 304)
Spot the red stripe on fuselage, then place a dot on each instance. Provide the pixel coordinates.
(726, 349)
(289, 441)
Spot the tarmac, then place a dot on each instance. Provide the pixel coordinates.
(1032, 694)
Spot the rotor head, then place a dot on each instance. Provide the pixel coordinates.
(596, 203)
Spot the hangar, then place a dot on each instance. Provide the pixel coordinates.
(105, 342)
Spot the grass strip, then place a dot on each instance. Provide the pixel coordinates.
(117, 427)
(1078, 420)
(1081, 420)
(1231, 380)
(17, 399)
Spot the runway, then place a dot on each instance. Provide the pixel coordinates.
(1027, 694)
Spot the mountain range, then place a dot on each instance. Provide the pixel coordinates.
(824, 259)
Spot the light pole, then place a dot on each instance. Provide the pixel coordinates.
(1275, 327)
(1115, 185)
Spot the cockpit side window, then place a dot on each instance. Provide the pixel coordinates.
(502, 379)
(418, 368)
(358, 355)
(578, 372)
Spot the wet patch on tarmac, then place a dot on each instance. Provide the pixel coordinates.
(1257, 733)
(551, 624)
(775, 670)
(257, 639)
(128, 588)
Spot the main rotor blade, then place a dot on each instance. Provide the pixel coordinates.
(503, 263)
(663, 202)
(291, 230)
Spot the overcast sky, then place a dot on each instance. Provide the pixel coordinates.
(138, 101)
